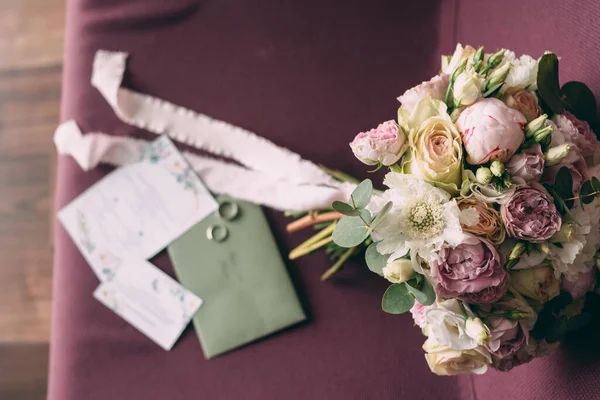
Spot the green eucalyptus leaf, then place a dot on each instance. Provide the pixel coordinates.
(423, 291)
(362, 194)
(557, 329)
(563, 185)
(579, 321)
(375, 261)
(352, 231)
(579, 100)
(561, 206)
(585, 193)
(381, 215)
(346, 209)
(547, 82)
(595, 184)
(397, 299)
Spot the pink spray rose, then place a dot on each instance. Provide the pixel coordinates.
(580, 286)
(490, 131)
(577, 132)
(527, 165)
(436, 88)
(530, 214)
(473, 272)
(384, 144)
(419, 312)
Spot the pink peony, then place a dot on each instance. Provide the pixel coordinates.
(490, 131)
(436, 88)
(580, 286)
(530, 214)
(527, 165)
(473, 272)
(384, 144)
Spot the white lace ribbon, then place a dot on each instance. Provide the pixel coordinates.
(198, 130)
(219, 176)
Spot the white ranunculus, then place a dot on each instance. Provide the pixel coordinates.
(399, 271)
(467, 88)
(449, 326)
(443, 360)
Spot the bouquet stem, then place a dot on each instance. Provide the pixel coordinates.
(339, 263)
(311, 219)
(317, 241)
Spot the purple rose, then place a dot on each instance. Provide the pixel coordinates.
(527, 165)
(509, 342)
(580, 286)
(530, 214)
(473, 272)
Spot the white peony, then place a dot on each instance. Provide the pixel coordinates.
(423, 218)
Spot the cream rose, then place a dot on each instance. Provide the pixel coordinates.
(523, 101)
(443, 360)
(490, 223)
(434, 88)
(398, 271)
(437, 153)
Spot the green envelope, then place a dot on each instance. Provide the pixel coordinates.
(242, 280)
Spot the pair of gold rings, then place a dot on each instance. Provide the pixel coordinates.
(228, 211)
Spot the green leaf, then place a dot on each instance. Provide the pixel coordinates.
(352, 231)
(579, 100)
(547, 82)
(561, 206)
(557, 329)
(345, 209)
(423, 292)
(381, 215)
(362, 194)
(585, 193)
(563, 185)
(579, 321)
(397, 299)
(595, 184)
(375, 261)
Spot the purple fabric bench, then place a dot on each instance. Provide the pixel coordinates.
(307, 75)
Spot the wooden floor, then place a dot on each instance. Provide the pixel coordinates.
(31, 46)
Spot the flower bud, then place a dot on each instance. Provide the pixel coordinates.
(495, 59)
(467, 88)
(534, 125)
(542, 134)
(497, 168)
(478, 55)
(507, 179)
(399, 271)
(458, 70)
(517, 251)
(565, 234)
(538, 283)
(476, 329)
(498, 76)
(543, 247)
(555, 154)
(484, 175)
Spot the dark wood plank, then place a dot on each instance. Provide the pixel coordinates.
(24, 370)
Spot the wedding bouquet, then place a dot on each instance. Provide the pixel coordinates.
(489, 226)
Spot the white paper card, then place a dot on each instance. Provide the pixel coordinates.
(150, 300)
(138, 209)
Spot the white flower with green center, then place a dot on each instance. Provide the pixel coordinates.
(422, 220)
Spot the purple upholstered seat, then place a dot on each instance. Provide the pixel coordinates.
(307, 75)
